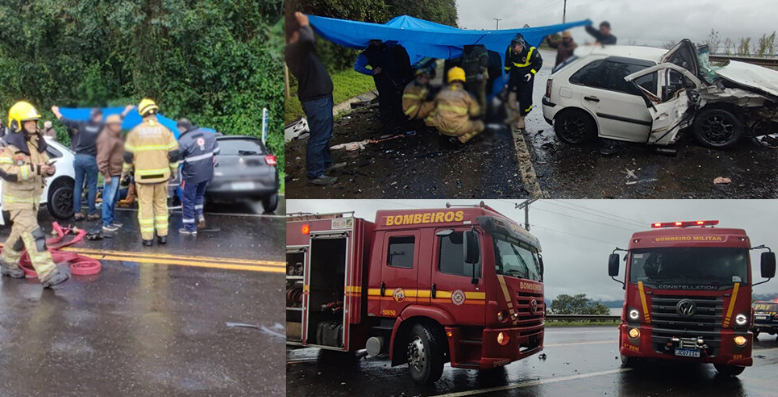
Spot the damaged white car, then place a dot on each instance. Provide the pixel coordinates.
(649, 95)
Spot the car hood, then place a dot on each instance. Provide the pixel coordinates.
(754, 77)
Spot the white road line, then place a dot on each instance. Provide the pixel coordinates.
(531, 383)
(612, 331)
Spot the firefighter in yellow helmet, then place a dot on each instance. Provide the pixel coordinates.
(455, 109)
(152, 151)
(24, 167)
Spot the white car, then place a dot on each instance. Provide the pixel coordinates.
(58, 194)
(648, 95)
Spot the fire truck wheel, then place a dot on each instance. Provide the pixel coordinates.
(628, 362)
(729, 370)
(425, 355)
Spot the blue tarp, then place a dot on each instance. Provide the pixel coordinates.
(130, 121)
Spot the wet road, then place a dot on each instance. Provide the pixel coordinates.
(154, 321)
(581, 361)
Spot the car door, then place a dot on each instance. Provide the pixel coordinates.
(399, 272)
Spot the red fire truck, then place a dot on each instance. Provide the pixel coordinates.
(460, 284)
(688, 295)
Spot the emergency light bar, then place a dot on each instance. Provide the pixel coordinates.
(683, 224)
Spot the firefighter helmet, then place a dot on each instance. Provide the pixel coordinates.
(19, 113)
(456, 74)
(147, 107)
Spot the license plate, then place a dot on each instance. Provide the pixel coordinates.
(761, 317)
(687, 352)
(242, 185)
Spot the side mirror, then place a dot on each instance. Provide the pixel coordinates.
(542, 267)
(613, 265)
(768, 264)
(471, 252)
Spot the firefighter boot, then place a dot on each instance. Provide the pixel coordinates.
(10, 270)
(162, 240)
(54, 278)
(520, 123)
(148, 243)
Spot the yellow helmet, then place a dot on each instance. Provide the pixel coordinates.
(147, 107)
(19, 113)
(456, 74)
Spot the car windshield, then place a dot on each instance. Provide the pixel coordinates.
(698, 266)
(240, 147)
(515, 258)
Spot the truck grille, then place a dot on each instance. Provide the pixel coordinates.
(705, 323)
(524, 309)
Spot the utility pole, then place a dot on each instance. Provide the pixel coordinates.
(525, 207)
(564, 12)
(498, 22)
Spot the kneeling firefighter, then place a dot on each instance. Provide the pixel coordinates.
(152, 150)
(24, 166)
(417, 104)
(522, 62)
(454, 108)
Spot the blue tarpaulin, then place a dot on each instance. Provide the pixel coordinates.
(130, 121)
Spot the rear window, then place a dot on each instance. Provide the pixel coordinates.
(609, 75)
(243, 147)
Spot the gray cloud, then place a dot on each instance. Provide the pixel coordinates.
(578, 235)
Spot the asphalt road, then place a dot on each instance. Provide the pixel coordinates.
(154, 322)
(580, 361)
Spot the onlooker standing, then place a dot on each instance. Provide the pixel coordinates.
(197, 148)
(388, 79)
(110, 157)
(564, 47)
(48, 130)
(314, 88)
(603, 36)
(475, 62)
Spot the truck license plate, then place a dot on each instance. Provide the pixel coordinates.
(761, 317)
(242, 185)
(687, 352)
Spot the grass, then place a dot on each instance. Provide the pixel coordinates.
(347, 84)
(581, 323)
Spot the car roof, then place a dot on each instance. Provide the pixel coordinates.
(625, 51)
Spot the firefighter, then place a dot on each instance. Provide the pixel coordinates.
(152, 151)
(522, 62)
(24, 166)
(454, 108)
(475, 62)
(417, 104)
(198, 148)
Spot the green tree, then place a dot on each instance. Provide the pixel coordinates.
(577, 304)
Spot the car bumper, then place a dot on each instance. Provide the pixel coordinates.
(548, 110)
(235, 190)
(522, 342)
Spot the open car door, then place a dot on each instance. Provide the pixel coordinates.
(673, 107)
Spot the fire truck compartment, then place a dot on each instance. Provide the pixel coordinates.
(326, 287)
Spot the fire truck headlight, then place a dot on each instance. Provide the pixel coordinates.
(634, 314)
(634, 333)
(741, 319)
(503, 338)
(502, 316)
(740, 340)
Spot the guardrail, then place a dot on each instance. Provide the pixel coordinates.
(771, 62)
(581, 317)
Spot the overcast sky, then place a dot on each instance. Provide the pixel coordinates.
(578, 235)
(633, 22)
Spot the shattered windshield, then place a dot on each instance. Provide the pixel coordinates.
(692, 266)
(515, 258)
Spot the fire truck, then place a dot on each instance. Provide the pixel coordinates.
(688, 295)
(459, 284)
(765, 317)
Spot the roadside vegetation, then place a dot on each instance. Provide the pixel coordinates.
(578, 304)
(347, 83)
(764, 46)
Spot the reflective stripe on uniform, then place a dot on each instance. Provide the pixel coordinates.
(533, 71)
(149, 229)
(198, 158)
(529, 59)
(411, 110)
(172, 145)
(412, 96)
(6, 160)
(151, 172)
(189, 220)
(12, 199)
(147, 148)
(456, 109)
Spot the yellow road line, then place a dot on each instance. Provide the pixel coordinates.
(177, 257)
(211, 265)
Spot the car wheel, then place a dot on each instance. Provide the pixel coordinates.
(425, 355)
(729, 370)
(60, 200)
(270, 203)
(574, 126)
(717, 128)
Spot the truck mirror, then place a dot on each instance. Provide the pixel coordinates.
(470, 247)
(768, 264)
(542, 267)
(613, 265)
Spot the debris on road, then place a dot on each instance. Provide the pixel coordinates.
(722, 181)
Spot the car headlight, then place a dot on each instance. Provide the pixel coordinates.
(634, 314)
(741, 319)
(740, 340)
(634, 333)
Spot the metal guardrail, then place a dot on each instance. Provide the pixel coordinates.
(581, 317)
(771, 62)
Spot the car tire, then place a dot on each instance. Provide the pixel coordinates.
(717, 128)
(60, 200)
(574, 126)
(270, 203)
(425, 355)
(729, 370)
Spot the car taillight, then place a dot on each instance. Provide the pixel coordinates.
(271, 159)
(548, 89)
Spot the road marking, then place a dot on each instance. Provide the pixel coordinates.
(764, 350)
(599, 342)
(581, 332)
(531, 383)
(211, 265)
(172, 256)
(528, 175)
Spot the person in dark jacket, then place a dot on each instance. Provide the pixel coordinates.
(314, 89)
(388, 76)
(475, 62)
(85, 163)
(198, 149)
(603, 36)
(564, 47)
(522, 62)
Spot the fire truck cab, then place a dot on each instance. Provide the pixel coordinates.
(462, 285)
(688, 295)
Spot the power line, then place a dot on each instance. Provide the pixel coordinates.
(585, 220)
(605, 214)
(576, 235)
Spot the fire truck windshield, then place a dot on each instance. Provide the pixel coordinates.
(515, 258)
(689, 266)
